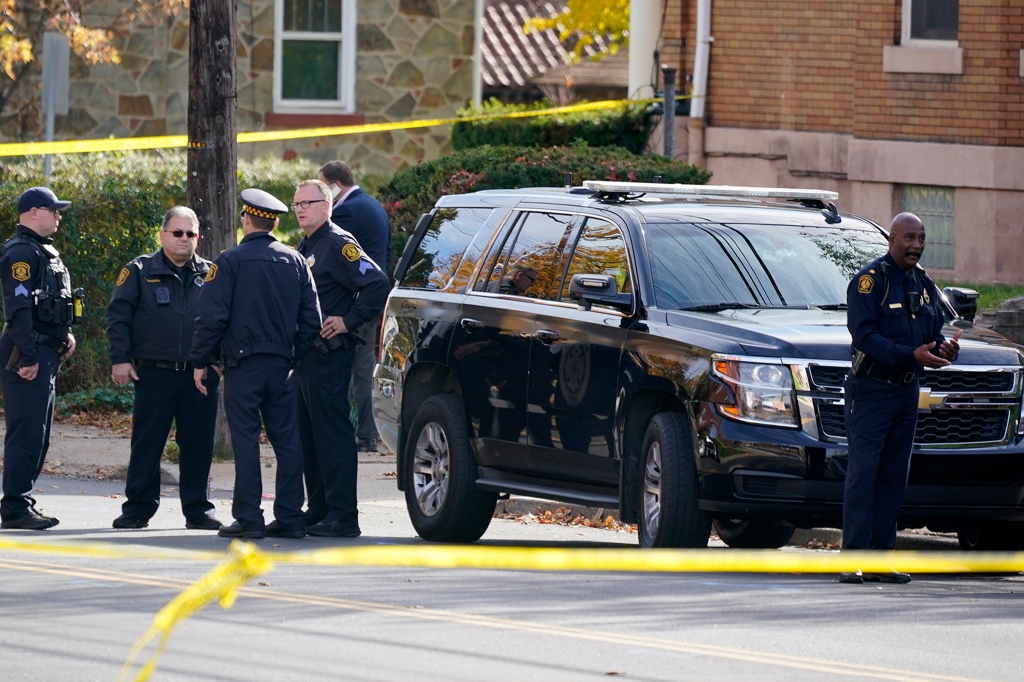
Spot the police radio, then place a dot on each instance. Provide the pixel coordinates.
(78, 302)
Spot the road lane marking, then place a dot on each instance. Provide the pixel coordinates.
(832, 667)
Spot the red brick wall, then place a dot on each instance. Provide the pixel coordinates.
(816, 65)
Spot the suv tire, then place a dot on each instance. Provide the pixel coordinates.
(440, 489)
(754, 533)
(991, 537)
(669, 512)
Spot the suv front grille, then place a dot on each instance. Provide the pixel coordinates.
(825, 376)
(968, 382)
(938, 427)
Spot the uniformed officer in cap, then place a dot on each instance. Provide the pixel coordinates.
(896, 320)
(259, 302)
(39, 309)
(352, 291)
(150, 322)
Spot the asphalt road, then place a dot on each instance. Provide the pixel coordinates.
(76, 619)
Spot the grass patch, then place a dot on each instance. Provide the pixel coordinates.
(989, 295)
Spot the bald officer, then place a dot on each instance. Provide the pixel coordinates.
(259, 302)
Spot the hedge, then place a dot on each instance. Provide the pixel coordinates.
(118, 201)
(628, 126)
(414, 190)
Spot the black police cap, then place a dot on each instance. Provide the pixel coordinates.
(41, 197)
(262, 204)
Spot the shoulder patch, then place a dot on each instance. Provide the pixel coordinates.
(865, 284)
(212, 273)
(21, 271)
(122, 277)
(351, 252)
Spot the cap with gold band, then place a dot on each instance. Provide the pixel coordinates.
(262, 204)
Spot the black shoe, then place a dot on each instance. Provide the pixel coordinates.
(891, 577)
(312, 520)
(856, 578)
(126, 521)
(236, 531)
(334, 529)
(203, 522)
(366, 445)
(33, 520)
(276, 530)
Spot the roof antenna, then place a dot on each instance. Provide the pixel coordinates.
(568, 179)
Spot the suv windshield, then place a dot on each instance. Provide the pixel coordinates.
(714, 266)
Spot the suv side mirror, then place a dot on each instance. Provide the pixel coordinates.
(964, 301)
(599, 289)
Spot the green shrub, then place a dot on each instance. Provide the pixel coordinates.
(115, 399)
(628, 126)
(414, 190)
(118, 201)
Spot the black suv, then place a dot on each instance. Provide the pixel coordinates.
(676, 352)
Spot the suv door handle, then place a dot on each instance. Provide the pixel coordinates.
(545, 336)
(469, 323)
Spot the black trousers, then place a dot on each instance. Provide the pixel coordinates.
(365, 358)
(880, 424)
(259, 389)
(163, 395)
(328, 439)
(28, 411)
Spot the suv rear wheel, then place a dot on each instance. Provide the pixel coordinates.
(440, 493)
(991, 537)
(754, 533)
(669, 512)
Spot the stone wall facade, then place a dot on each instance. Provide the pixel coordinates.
(413, 61)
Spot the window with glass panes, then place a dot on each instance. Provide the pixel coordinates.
(314, 54)
(934, 206)
(930, 21)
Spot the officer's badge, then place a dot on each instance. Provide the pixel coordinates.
(21, 271)
(926, 297)
(865, 284)
(212, 273)
(351, 252)
(198, 280)
(311, 260)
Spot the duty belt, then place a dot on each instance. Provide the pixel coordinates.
(53, 343)
(163, 364)
(885, 373)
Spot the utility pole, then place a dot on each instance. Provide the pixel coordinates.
(212, 171)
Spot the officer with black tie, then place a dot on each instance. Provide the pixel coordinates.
(39, 309)
(150, 322)
(896, 320)
(259, 303)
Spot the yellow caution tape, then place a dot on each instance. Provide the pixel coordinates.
(244, 561)
(121, 144)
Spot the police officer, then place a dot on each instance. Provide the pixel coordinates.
(895, 319)
(352, 291)
(39, 309)
(150, 322)
(360, 214)
(259, 301)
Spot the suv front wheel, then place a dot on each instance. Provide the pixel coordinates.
(669, 512)
(754, 533)
(440, 489)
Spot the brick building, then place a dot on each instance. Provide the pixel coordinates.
(896, 104)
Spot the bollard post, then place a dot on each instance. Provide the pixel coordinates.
(668, 109)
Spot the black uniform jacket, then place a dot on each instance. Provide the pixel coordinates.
(882, 300)
(367, 221)
(152, 309)
(21, 272)
(349, 284)
(259, 297)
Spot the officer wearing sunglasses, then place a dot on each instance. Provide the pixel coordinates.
(150, 322)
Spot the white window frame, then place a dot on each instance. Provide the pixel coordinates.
(346, 63)
(907, 41)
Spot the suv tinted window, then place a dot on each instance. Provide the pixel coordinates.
(531, 262)
(700, 265)
(600, 250)
(438, 258)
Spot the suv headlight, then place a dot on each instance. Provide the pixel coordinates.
(764, 391)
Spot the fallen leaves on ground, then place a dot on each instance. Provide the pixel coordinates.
(117, 422)
(815, 543)
(390, 474)
(565, 517)
(53, 467)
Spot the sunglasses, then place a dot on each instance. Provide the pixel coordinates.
(178, 234)
(305, 204)
(54, 211)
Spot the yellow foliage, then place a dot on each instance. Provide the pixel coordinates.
(586, 20)
(93, 45)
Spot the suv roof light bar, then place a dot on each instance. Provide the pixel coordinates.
(803, 195)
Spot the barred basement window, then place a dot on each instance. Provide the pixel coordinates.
(930, 22)
(934, 206)
(314, 55)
